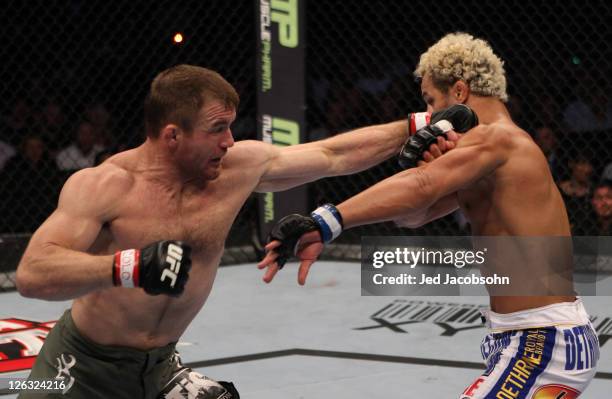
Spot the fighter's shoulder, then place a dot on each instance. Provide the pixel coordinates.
(101, 185)
(495, 135)
(512, 136)
(106, 175)
(498, 135)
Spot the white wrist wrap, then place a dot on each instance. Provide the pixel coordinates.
(329, 220)
(126, 268)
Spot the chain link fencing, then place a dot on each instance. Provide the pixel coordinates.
(75, 74)
(557, 59)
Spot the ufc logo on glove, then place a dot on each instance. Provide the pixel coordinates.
(174, 257)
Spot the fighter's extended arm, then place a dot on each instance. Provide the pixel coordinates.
(343, 154)
(415, 195)
(478, 154)
(363, 148)
(441, 208)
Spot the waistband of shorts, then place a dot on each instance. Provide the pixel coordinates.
(556, 314)
(110, 351)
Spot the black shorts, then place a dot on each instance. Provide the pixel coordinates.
(94, 371)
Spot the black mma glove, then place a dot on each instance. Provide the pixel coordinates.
(458, 117)
(413, 150)
(326, 219)
(160, 268)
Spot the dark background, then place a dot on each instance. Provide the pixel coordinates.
(360, 58)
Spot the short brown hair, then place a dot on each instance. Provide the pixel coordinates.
(178, 94)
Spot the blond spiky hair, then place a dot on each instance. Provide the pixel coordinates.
(460, 56)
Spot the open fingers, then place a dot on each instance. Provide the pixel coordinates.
(272, 244)
(303, 271)
(271, 272)
(270, 258)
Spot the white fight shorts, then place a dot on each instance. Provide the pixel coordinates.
(543, 353)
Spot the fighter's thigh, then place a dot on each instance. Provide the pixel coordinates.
(83, 375)
(539, 363)
(485, 383)
(549, 385)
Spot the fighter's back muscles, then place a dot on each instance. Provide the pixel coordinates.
(55, 265)
(406, 195)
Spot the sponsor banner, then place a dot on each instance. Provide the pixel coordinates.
(281, 95)
(485, 265)
(20, 343)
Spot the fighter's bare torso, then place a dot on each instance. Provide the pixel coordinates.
(152, 210)
(518, 199)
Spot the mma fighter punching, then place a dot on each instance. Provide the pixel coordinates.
(136, 241)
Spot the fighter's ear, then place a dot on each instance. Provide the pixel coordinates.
(169, 133)
(460, 91)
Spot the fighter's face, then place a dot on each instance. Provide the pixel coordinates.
(202, 150)
(602, 202)
(435, 98)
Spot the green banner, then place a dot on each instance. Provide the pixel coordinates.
(281, 94)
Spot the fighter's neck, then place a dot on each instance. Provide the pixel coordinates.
(156, 164)
(489, 110)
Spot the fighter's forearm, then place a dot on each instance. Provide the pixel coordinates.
(420, 217)
(344, 154)
(397, 196)
(56, 273)
(365, 147)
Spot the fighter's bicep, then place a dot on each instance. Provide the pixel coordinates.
(294, 165)
(300, 160)
(67, 230)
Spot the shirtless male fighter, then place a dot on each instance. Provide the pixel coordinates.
(126, 234)
(500, 179)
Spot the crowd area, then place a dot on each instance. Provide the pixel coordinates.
(43, 143)
(40, 146)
